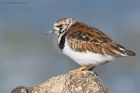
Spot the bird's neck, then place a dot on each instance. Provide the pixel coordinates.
(62, 36)
(61, 40)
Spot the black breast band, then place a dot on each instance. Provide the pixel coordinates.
(62, 41)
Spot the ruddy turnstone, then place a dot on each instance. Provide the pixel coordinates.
(85, 44)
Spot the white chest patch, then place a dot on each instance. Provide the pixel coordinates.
(85, 58)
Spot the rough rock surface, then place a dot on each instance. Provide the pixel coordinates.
(72, 82)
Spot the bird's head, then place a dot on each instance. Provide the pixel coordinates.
(61, 25)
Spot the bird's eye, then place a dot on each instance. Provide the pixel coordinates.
(61, 28)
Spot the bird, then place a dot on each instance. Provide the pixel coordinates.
(86, 45)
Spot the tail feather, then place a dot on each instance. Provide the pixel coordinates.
(130, 53)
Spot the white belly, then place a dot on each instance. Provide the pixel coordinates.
(86, 58)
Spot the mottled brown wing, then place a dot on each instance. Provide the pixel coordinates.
(82, 38)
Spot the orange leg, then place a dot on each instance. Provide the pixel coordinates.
(90, 67)
(80, 69)
(85, 68)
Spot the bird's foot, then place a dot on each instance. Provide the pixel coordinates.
(84, 68)
(79, 69)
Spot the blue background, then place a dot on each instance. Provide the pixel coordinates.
(28, 57)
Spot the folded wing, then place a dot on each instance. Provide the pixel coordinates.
(84, 38)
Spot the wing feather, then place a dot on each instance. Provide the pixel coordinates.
(83, 38)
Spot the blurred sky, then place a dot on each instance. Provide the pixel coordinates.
(28, 57)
